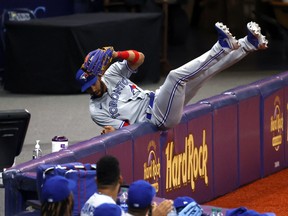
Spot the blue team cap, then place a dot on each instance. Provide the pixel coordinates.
(182, 201)
(56, 189)
(86, 80)
(107, 209)
(243, 211)
(140, 194)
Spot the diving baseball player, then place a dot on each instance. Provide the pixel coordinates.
(116, 101)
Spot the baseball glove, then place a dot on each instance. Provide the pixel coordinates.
(97, 61)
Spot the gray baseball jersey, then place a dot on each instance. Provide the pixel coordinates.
(125, 102)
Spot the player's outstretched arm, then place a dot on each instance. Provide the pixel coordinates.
(133, 57)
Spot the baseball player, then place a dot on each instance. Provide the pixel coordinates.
(116, 101)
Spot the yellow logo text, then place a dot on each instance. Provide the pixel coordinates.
(187, 166)
(152, 167)
(276, 125)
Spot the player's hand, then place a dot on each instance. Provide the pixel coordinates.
(107, 129)
(163, 208)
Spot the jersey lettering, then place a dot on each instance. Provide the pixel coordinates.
(87, 209)
(113, 110)
(115, 96)
(113, 103)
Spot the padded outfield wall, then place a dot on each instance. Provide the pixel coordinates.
(222, 143)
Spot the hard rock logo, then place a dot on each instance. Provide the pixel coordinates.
(152, 166)
(186, 167)
(276, 124)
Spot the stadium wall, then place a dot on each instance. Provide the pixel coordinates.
(222, 143)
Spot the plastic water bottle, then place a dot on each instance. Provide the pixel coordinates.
(219, 212)
(213, 212)
(37, 152)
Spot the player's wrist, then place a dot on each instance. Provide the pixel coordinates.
(114, 54)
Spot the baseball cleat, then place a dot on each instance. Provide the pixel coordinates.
(255, 37)
(225, 38)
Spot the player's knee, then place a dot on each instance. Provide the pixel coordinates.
(173, 77)
(171, 123)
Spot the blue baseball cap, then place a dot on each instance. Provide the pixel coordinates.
(56, 189)
(182, 201)
(140, 194)
(243, 211)
(254, 213)
(85, 79)
(107, 209)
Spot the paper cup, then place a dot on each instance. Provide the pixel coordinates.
(59, 143)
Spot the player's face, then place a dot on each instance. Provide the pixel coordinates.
(97, 89)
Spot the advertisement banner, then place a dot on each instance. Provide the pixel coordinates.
(147, 162)
(284, 78)
(187, 157)
(273, 133)
(272, 124)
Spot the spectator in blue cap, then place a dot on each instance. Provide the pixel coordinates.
(242, 211)
(186, 205)
(181, 202)
(140, 200)
(140, 196)
(57, 197)
(107, 209)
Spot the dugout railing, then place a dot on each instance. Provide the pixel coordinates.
(222, 143)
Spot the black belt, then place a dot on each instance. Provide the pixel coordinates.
(151, 102)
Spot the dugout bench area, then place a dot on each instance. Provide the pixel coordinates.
(222, 143)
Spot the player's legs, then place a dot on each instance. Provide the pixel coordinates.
(228, 60)
(252, 42)
(170, 97)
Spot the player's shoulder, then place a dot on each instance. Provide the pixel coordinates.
(94, 201)
(102, 198)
